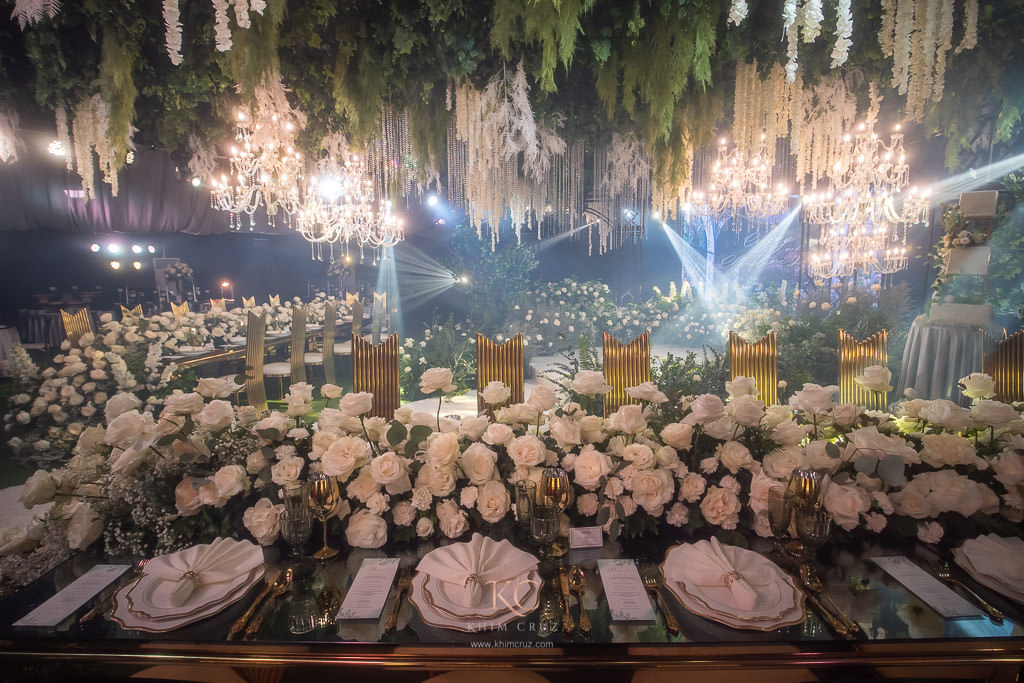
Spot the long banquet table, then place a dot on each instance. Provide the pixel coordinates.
(903, 636)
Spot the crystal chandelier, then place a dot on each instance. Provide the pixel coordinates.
(862, 230)
(265, 171)
(741, 184)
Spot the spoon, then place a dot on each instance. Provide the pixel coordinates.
(812, 582)
(283, 583)
(576, 584)
(945, 572)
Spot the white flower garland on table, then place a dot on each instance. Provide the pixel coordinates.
(172, 34)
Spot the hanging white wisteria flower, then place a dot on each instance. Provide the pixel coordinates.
(902, 44)
(737, 12)
(203, 162)
(887, 34)
(970, 38)
(810, 20)
(172, 35)
(64, 135)
(258, 6)
(222, 32)
(790, 30)
(844, 29)
(945, 44)
(242, 13)
(31, 11)
(10, 143)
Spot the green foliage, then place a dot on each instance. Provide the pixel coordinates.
(583, 357)
(555, 24)
(117, 87)
(680, 376)
(445, 344)
(1006, 267)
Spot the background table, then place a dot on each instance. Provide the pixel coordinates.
(937, 356)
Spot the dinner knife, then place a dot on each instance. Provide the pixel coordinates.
(568, 626)
(239, 625)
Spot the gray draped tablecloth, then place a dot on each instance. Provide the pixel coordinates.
(937, 355)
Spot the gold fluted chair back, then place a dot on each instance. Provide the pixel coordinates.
(297, 348)
(379, 315)
(135, 311)
(178, 311)
(255, 344)
(499, 362)
(1006, 366)
(375, 369)
(217, 303)
(248, 302)
(330, 327)
(759, 360)
(854, 356)
(625, 366)
(76, 324)
(357, 312)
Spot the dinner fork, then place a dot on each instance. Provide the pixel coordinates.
(653, 586)
(404, 584)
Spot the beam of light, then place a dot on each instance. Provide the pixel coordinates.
(950, 188)
(692, 261)
(387, 281)
(422, 277)
(747, 269)
(548, 242)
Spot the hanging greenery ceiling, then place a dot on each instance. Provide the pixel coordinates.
(170, 74)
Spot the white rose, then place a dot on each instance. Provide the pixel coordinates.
(846, 503)
(591, 428)
(230, 480)
(437, 378)
(40, 488)
(745, 410)
(354, 405)
(930, 532)
(652, 489)
(869, 438)
(278, 422)
(439, 482)
(478, 464)
(424, 527)
(216, 387)
(912, 503)
(330, 391)
(473, 427)
(388, 469)
(978, 385)
(442, 449)
(940, 450)
(721, 507)
(813, 398)
(421, 498)
(119, 404)
(678, 435)
(952, 492)
(247, 415)
(468, 496)
(647, 391)
(453, 521)
(565, 432)
(587, 504)
(667, 457)
(343, 456)
(781, 462)
(363, 486)
(496, 393)
(85, 526)
(741, 386)
(590, 466)
(993, 413)
(216, 415)
(131, 429)
(846, 414)
(128, 460)
(734, 456)
(1009, 468)
(542, 398)
(186, 498)
(522, 413)
(403, 513)
(629, 419)
(493, 501)
(789, 433)
(527, 451)
(255, 462)
(263, 520)
(183, 404)
(945, 414)
(286, 470)
(692, 487)
(590, 383)
(642, 456)
(875, 378)
(705, 408)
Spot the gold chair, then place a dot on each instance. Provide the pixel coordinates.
(314, 358)
(854, 356)
(77, 324)
(375, 369)
(255, 344)
(1006, 366)
(499, 362)
(248, 302)
(625, 365)
(135, 310)
(295, 368)
(759, 360)
(217, 303)
(275, 299)
(178, 311)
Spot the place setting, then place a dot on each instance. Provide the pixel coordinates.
(995, 562)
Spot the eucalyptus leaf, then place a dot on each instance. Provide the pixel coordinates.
(866, 464)
(603, 515)
(891, 469)
(832, 450)
(419, 434)
(396, 433)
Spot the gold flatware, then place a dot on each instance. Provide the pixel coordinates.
(830, 619)
(240, 624)
(404, 584)
(279, 588)
(107, 601)
(576, 584)
(945, 573)
(653, 586)
(568, 626)
(812, 582)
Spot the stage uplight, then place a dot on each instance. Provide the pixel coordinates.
(137, 265)
(464, 279)
(136, 249)
(225, 283)
(115, 265)
(114, 248)
(196, 182)
(151, 249)
(94, 247)
(432, 201)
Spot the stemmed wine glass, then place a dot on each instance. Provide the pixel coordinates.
(296, 526)
(323, 498)
(780, 513)
(556, 493)
(813, 526)
(544, 525)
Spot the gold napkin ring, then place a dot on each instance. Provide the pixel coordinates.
(731, 578)
(473, 578)
(190, 575)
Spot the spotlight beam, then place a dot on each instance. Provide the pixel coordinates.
(950, 188)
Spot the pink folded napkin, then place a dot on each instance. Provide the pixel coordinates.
(707, 567)
(221, 561)
(998, 557)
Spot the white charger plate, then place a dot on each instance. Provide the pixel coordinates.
(148, 597)
(439, 619)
